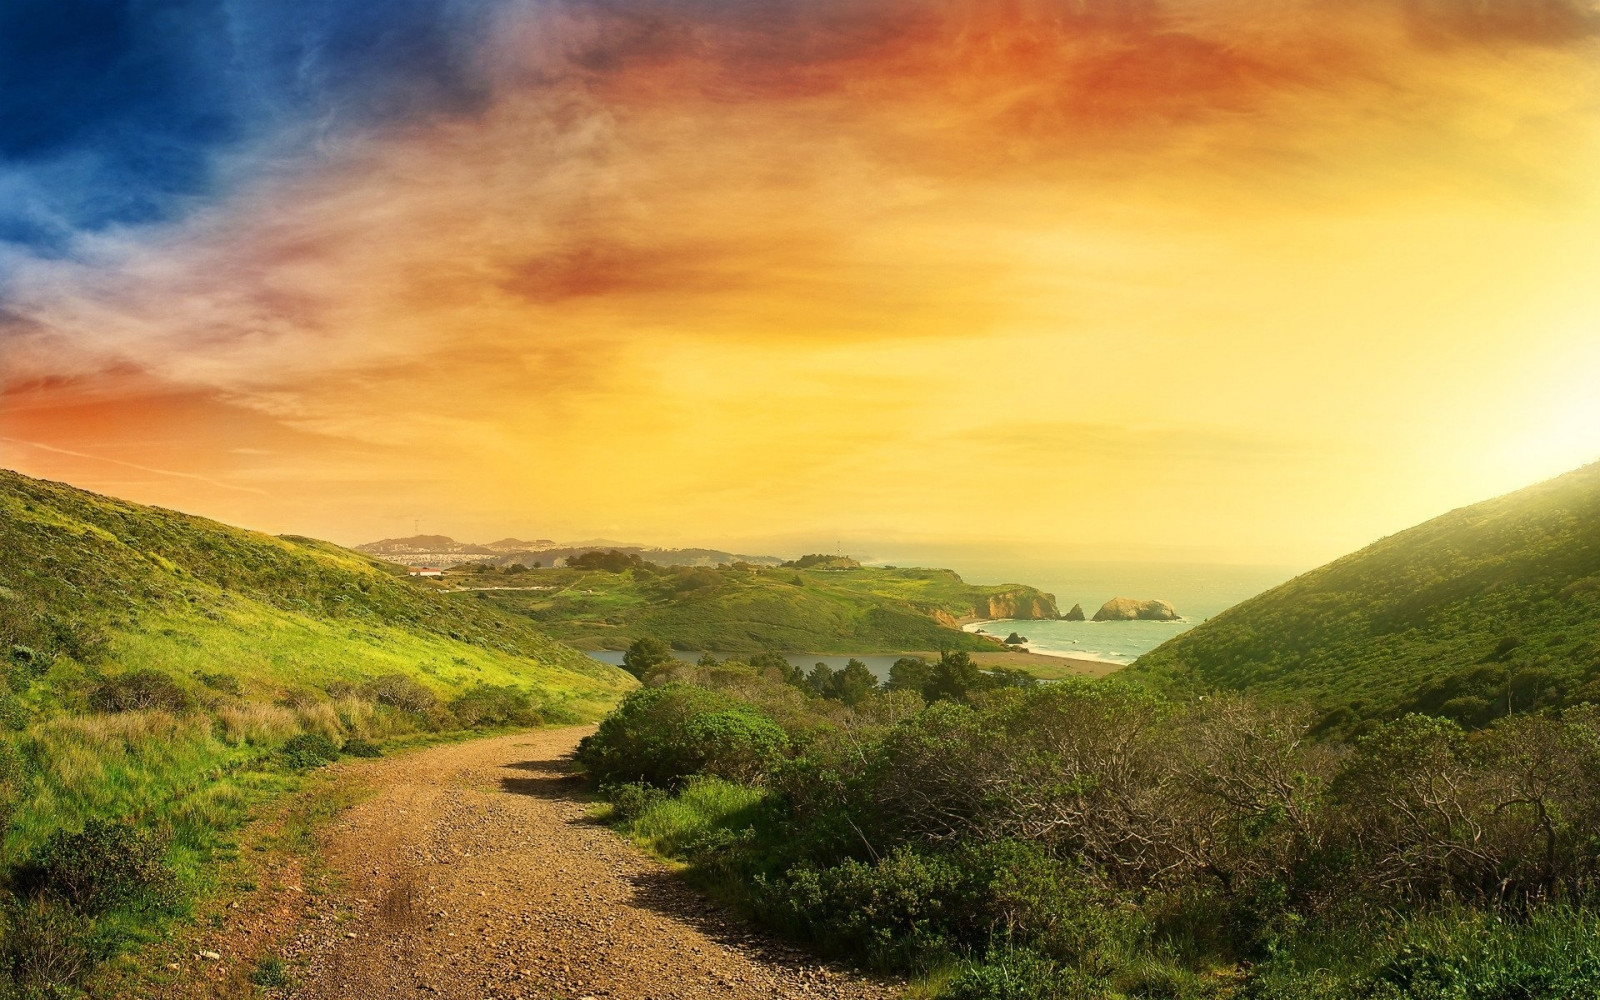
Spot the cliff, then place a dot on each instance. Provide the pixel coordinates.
(1028, 604)
(1127, 609)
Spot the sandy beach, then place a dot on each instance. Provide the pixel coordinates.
(1041, 665)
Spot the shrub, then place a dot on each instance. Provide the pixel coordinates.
(630, 801)
(101, 867)
(400, 691)
(662, 735)
(309, 750)
(894, 913)
(488, 705)
(44, 946)
(358, 747)
(137, 690)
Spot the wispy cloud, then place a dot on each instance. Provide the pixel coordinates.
(207, 480)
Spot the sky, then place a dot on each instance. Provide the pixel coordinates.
(1243, 281)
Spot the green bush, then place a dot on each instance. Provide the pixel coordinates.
(94, 870)
(308, 750)
(355, 746)
(139, 689)
(488, 705)
(662, 735)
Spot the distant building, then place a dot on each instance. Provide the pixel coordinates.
(424, 571)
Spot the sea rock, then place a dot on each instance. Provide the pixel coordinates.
(1127, 609)
(1015, 640)
(1076, 614)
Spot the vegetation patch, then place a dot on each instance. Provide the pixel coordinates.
(1096, 839)
(163, 676)
(1488, 611)
(819, 604)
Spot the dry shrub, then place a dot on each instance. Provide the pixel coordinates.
(401, 692)
(44, 945)
(322, 719)
(140, 690)
(358, 716)
(300, 698)
(256, 724)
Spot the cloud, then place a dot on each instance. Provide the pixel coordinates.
(714, 249)
(129, 112)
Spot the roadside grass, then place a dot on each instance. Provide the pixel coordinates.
(671, 826)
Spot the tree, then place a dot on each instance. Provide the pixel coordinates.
(645, 655)
(767, 660)
(820, 680)
(953, 677)
(854, 684)
(909, 673)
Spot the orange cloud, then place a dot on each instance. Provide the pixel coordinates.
(757, 270)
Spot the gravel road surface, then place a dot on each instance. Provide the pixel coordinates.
(473, 872)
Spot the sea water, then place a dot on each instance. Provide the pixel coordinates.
(1197, 590)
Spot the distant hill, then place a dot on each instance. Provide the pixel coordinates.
(416, 544)
(1487, 608)
(441, 550)
(746, 607)
(519, 545)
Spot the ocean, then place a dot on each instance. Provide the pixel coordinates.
(1198, 591)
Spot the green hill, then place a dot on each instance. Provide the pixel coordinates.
(169, 675)
(745, 608)
(1489, 606)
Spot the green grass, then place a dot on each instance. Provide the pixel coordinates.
(757, 608)
(1488, 605)
(670, 826)
(251, 641)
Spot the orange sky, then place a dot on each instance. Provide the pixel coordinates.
(1219, 279)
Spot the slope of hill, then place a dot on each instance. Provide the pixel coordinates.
(1489, 608)
(110, 585)
(158, 669)
(746, 608)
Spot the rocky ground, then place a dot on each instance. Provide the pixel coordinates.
(474, 872)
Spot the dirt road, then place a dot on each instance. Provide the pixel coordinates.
(472, 872)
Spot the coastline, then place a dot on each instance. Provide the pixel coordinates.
(1045, 666)
(1045, 663)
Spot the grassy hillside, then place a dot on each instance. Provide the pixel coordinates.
(168, 674)
(1492, 605)
(747, 608)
